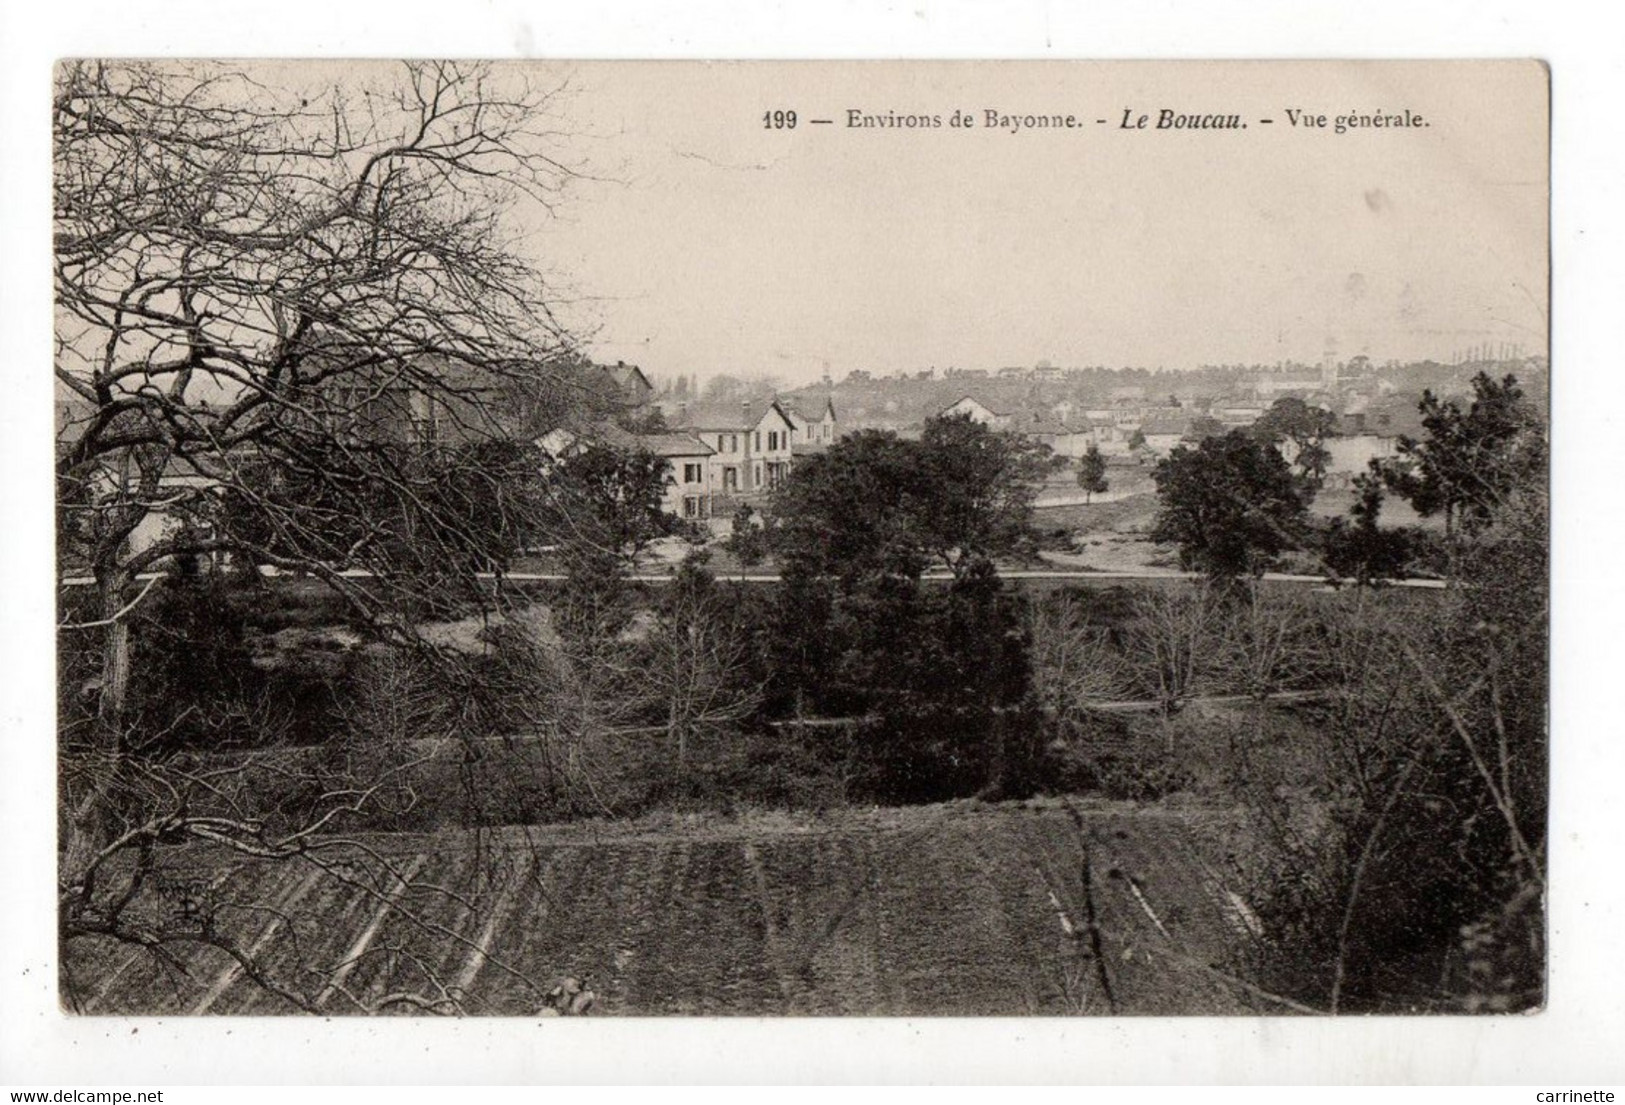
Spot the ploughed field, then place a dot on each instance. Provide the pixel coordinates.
(1048, 908)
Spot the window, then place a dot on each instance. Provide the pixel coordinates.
(691, 473)
(758, 441)
(772, 440)
(733, 443)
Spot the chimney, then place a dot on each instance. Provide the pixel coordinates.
(745, 407)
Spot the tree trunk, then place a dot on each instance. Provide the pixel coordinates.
(679, 736)
(998, 759)
(115, 669)
(85, 828)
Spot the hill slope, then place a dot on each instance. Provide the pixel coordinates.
(1023, 909)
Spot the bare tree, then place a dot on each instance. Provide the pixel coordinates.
(594, 684)
(1174, 640)
(1374, 697)
(1074, 663)
(1264, 642)
(288, 319)
(698, 651)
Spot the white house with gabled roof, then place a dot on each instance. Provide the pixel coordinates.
(978, 412)
(817, 427)
(752, 444)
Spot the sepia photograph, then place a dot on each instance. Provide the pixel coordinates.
(801, 539)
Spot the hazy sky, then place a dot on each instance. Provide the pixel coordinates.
(717, 245)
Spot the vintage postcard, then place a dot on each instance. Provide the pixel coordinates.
(1021, 539)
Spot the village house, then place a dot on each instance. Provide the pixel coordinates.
(467, 406)
(1164, 433)
(1110, 438)
(1063, 440)
(1269, 386)
(632, 388)
(1238, 413)
(186, 485)
(688, 491)
(751, 444)
(1367, 432)
(816, 425)
(461, 406)
(978, 412)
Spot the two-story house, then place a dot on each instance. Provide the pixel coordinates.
(688, 490)
(688, 480)
(752, 444)
(816, 425)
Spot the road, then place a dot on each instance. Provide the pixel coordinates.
(1018, 574)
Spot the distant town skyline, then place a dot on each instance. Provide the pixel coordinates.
(708, 242)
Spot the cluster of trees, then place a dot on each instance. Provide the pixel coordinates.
(1230, 504)
(942, 668)
(1297, 428)
(1234, 503)
(881, 505)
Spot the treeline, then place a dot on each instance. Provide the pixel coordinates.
(620, 698)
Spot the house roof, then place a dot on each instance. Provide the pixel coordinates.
(674, 445)
(1165, 426)
(1394, 416)
(660, 445)
(1056, 429)
(978, 402)
(808, 408)
(726, 416)
(627, 375)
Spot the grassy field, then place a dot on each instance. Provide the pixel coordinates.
(1044, 908)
